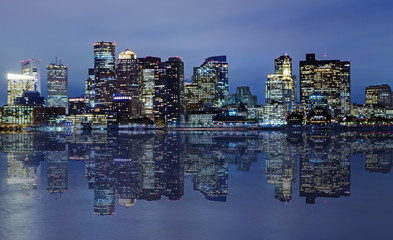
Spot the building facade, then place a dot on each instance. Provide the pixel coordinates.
(17, 84)
(57, 80)
(105, 73)
(147, 76)
(32, 67)
(90, 89)
(330, 78)
(379, 96)
(280, 87)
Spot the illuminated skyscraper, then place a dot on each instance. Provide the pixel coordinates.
(32, 67)
(281, 86)
(90, 89)
(127, 79)
(127, 74)
(17, 84)
(57, 75)
(206, 79)
(209, 83)
(221, 64)
(105, 73)
(174, 92)
(330, 78)
(147, 68)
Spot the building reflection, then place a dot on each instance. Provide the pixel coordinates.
(324, 168)
(122, 168)
(281, 163)
(24, 166)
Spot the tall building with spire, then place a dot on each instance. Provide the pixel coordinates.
(281, 86)
(105, 73)
(57, 80)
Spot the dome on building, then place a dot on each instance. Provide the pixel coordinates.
(127, 54)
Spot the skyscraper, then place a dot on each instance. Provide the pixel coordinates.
(57, 80)
(220, 62)
(330, 78)
(105, 73)
(17, 84)
(206, 79)
(281, 86)
(209, 83)
(127, 74)
(147, 68)
(127, 79)
(174, 90)
(90, 89)
(32, 67)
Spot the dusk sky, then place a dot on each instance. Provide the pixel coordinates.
(250, 32)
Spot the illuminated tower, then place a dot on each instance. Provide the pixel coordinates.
(127, 79)
(147, 68)
(57, 75)
(220, 62)
(174, 90)
(206, 78)
(32, 67)
(17, 84)
(331, 78)
(127, 74)
(105, 73)
(90, 89)
(280, 86)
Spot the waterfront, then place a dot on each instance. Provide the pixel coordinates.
(196, 185)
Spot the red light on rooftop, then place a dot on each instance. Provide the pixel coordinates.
(324, 55)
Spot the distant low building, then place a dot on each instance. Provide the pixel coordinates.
(274, 114)
(47, 115)
(30, 98)
(76, 105)
(379, 96)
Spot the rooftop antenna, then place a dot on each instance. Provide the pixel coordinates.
(59, 60)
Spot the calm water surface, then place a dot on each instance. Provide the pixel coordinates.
(223, 185)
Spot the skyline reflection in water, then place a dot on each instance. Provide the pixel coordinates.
(121, 169)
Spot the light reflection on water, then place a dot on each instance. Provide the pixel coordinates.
(109, 173)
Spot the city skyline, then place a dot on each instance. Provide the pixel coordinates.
(247, 37)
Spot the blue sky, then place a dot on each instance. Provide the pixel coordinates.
(250, 32)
